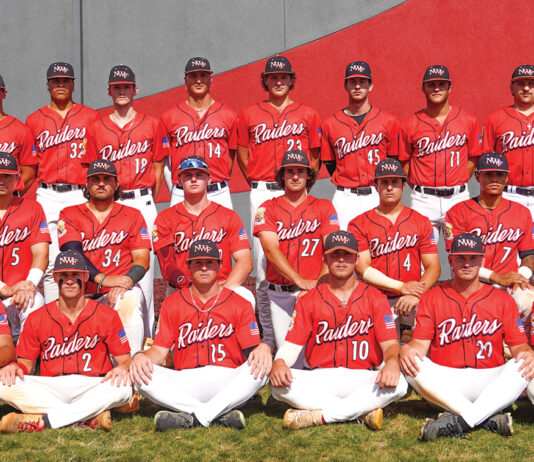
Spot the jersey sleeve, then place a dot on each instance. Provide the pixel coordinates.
(116, 340)
(40, 232)
(243, 136)
(247, 332)
(27, 156)
(4, 325)
(66, 227)
(264, 219)
(161, 142)
(514, 331)
(427, 241)
(405, 145)
(330, 222)
(327, 151)
(474, 147)
(424, 323)
(315, 130)
(237, 234)
(527, 240)
(384, 322)
(29, 346)
(91, 152)
(138, 235)
(164, 332)
(488, 136)
(394, 136)
(301, 325)
(355, 227)
(162, 232)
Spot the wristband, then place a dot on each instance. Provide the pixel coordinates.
(136, 353)
(99, 286)
(22, 366)
(136, 273)
(484, 274)
(35, 276)
(525, 271)
(289, 353)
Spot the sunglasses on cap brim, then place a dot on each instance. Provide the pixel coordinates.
(192, 163)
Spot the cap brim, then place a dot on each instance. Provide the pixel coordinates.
(466, 252)
(388, 175)
(194, 168)
(63, 270)
(205, 257)
(209, 71)
(523, 77)
(278, 72)
(492, 170)
(60, 75)
(102, 173)
(9, 172)
(340, 247)
(117, 82)
(295, 164)
(436, 78)
(357, 75)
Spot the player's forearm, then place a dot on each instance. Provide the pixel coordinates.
(471, 165)
(123, 360)
(231, 157)
(430, 276)
(7, 354)
(28, 176)
(156, 354)
(516, 349)
(391, 350)
(29, 364)
(380, 280)
(158, 171)
(315, 154)
(242, 160)
(289, 353)
(239, 273)
(281, 264)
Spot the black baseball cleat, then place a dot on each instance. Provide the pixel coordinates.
(232, 419)
(500, 423)
(167, 420)
(446, 425)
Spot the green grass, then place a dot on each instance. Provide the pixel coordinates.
(133, 439)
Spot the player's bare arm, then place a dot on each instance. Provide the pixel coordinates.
(7, 350)
(415, 349)
(242, 160)
(231, 158)
(260, 359)
(270, 243)
(471, 165)
(315, 156)
(158, 171)
(119, 375)
(524, 352)
(240, 270)
(9, 373)
(142, 364)
(388, 377)
(378, 279)
(28, 173)
(280, 374)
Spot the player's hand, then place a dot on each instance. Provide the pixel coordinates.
(260, 359)
(406, 304)
(117, 280)
(280, 374)
(518, 286)
(118, 375)
(141, 369)
(306, 284)
(509, 279)
(114, 295)
(389, 376)
(527, 367)
(23, 299)
(9, 374)
(408, 363)
(414, 288)
(24, 285)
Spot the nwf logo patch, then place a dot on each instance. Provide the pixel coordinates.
(68, 260)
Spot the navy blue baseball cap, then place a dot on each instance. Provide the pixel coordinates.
(436, 72)
(389, 168)
(60, 70)
(525, 71)
(358, 69)
(492, 162)
(69, 260)
(467, 244)
(203, 249)
(340, 240)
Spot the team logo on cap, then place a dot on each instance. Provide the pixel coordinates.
(295, 156)
(120, 73)
(467, 242)
(389, 166)
(202, 248)
(340, 238)
(277, 64)
(59, 68)
(68, 260)
(103, 165)
(494, 160)
(436, 71)
(525, 71)
(198, 62)
(357, 68)
(5, 162)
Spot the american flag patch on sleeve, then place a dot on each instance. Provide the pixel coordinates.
(122, 336)
(520, 325)
(333, 219)
(390, 321)
(144, 233)
(433, 238)
(166, 142)
(43, 228)
(3, 319)
(242, 234)
(254, 328)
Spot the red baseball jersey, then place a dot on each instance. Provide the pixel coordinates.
(210, 136)
(301, 232)
(23, 225)
(395, 248)
(505, 230)
(109, 244)
(356, 148)
(132, 149)
(63, 145)
(17, 139)
(79, 347)
(438, 153)
(4, 324)
(468, 332)
(512, 134)
(180, 228)
(214, 333)
(342, 336)
(268, 133)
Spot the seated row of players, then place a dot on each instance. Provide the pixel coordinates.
(438, 146)
(345, 327)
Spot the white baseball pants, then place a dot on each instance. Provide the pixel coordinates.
(349, 205)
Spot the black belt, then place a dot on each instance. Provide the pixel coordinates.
(520, 190)
(439, 192)
(131, 194)
(61, 187)
(362, 190)
(284, 288)
(212, 187)
(270, 185)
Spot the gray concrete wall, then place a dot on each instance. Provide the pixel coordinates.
(154, 37)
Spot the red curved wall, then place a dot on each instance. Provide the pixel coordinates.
(481, 42)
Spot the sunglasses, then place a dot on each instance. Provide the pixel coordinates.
(193, 163)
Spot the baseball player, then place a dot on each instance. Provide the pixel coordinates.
(16, 139)
(455, 360)
(347, 331)
(265, 132)
(292, 229)
(505, 228)
(510, 131)
(115, 243)
(195, 218)
(354, 140)
(218, 358)
(439, 150)
(64, 149)
(73, 338)
(201, 126)
(394, 243)
(24, 241)
(137, 145)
